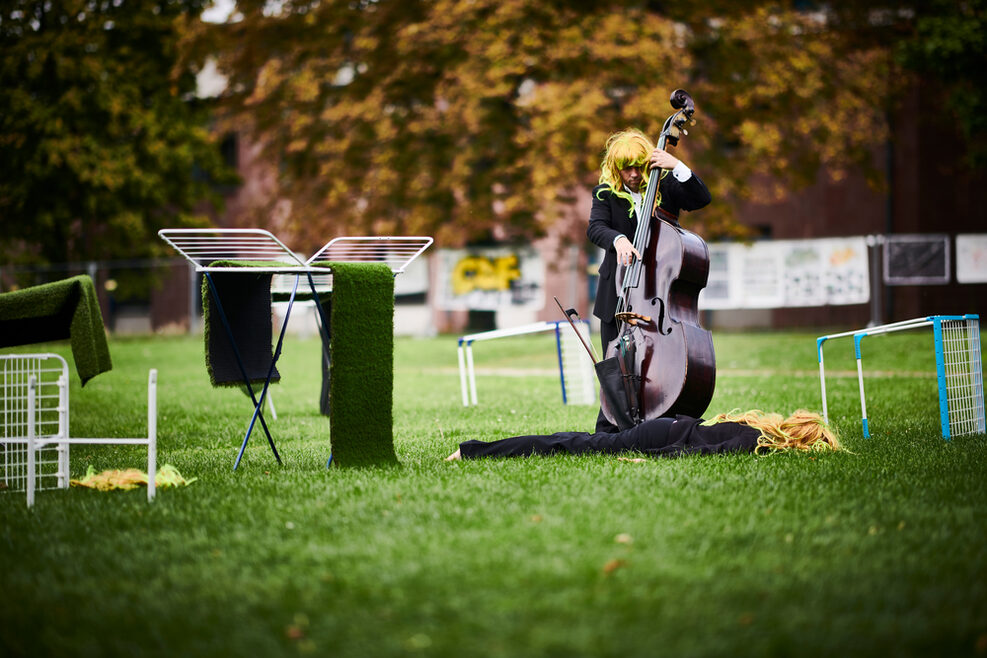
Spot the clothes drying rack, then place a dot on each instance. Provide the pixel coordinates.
(256, 251)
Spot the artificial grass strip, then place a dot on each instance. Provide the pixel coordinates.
(362, 368)
(304, 293)
(56, 311)
(246, 300)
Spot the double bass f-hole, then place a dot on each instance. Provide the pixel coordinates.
(662, 328)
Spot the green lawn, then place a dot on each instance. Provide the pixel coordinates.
(880, 550)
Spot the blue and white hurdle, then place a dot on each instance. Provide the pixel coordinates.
(576, 373)
(959, 371)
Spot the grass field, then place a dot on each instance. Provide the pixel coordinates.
(880, 550)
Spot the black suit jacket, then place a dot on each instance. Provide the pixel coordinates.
(611, 216)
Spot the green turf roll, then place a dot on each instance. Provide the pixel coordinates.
(362, 368)
(56, 311)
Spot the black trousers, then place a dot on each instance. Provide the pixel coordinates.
(608, 331)
(649, 435)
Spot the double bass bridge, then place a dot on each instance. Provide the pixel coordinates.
(633, 319)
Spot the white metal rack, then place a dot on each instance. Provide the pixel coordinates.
(396, 252)
(34, 425)
(203, 247)
(213, 250)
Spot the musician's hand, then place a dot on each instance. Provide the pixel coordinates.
(663, 160)
(624, 250)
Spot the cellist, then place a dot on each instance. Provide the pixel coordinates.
(616, 208)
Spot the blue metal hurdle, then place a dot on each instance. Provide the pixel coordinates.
(959, 372)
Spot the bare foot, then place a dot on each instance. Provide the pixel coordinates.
(454, 457)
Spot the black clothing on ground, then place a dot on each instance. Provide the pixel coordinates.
(659, 437)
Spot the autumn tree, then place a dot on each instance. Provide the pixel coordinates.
(873, 50)
(469, 119)
(102, 141)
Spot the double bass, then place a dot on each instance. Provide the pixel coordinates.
(662, 356)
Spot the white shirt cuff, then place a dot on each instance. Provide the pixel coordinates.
(681, 172)
(617, 238)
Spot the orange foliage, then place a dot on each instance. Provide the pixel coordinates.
(466, 119)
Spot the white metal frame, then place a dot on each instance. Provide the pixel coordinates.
(203, 247)
(397, 252)
(34, 421)
(959, 372)
(564, 348)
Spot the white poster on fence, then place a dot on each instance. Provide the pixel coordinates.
(803, 274)
(491, 279)
(846, 271)
(761, 275)
(971, 258)
(787, 273)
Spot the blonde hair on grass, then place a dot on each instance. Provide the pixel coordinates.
(627, 148)
(803, 430)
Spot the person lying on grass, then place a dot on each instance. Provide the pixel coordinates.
(751, 431)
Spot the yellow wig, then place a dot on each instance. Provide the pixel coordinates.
(627, 148)
(803, 430)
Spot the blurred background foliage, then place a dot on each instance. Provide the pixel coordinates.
(465, 120)
(102, 140)
(461, 120)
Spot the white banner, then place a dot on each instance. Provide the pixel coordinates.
(971, 258)
(491, 279)
(787, 273)
(414, 279)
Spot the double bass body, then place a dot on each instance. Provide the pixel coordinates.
(673, 358)
(665, 358)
